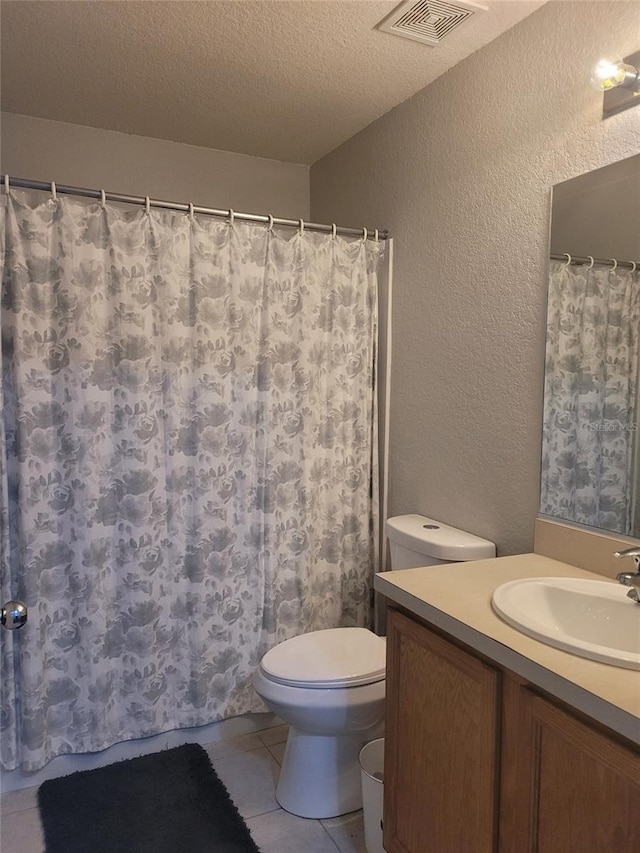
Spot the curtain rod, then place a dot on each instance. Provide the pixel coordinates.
(25, 183)
(587, 259)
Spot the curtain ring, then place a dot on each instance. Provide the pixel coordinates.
(635, 267)
(615, 264)
(334, 230)
(592, 262)
(147, 205)
(375, 235)
(232, 216)
(54, 194)
(568, 261)
(6, 184)
(103, 199)
(301, 227)
(270, 226)
(191, 212)
(365, 234)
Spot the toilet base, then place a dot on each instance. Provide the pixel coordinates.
(320, 775)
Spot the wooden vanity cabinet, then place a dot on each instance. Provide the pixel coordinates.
(478, 761)
(442, 744)
(567, 785)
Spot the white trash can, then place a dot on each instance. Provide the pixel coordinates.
(372, 773)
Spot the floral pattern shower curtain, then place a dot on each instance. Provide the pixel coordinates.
(188, 463)
(590, 405)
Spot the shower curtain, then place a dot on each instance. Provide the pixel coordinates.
(590, 403)
(189, 463)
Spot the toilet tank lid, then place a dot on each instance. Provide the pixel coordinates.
(333, 657)
(435, 539)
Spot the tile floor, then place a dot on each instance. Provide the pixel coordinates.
(249, 767)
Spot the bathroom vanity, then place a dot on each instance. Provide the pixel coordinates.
(496, 741)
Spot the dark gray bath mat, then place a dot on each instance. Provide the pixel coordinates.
(161, 803)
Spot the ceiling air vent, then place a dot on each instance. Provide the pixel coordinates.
(429, 21)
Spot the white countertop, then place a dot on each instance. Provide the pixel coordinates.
(457, 599)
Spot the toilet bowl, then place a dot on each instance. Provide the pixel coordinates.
(329, 686)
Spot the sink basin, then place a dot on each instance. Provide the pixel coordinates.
(592, 619)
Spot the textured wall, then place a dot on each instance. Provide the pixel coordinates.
(138, 165)
(460, 173)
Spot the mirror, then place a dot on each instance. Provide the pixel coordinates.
(591, 420)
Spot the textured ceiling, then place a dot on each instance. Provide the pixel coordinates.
(286, 79)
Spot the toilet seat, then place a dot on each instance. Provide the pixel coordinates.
(331, 658)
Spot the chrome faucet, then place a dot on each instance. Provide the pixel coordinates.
(631, 579)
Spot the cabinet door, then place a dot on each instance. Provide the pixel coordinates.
(441, 745)
(567, 786)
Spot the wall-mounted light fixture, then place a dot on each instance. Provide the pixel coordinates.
(619, 79)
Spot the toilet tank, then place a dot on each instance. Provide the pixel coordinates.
(418, 541)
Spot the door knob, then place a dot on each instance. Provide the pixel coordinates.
(13, 615)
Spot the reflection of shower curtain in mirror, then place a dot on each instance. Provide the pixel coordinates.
(590, 399)
(635, 485)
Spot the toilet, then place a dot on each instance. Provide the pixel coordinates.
(329, 685)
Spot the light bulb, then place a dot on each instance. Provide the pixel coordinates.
(609, 73)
